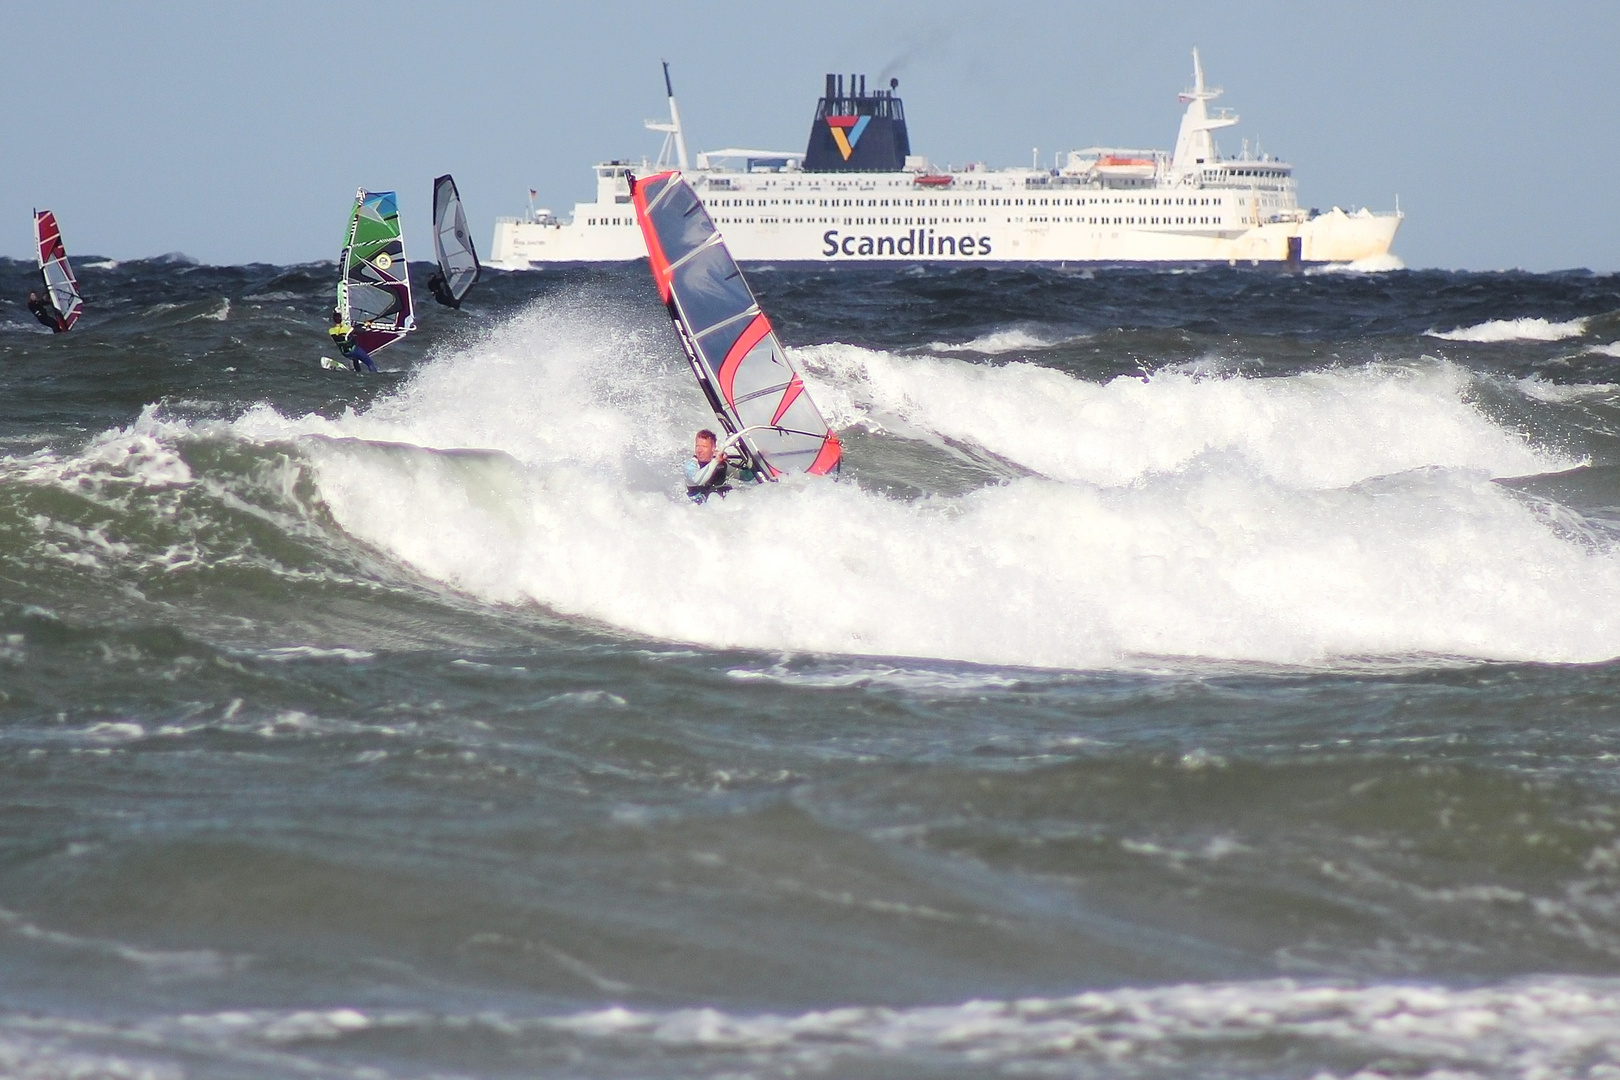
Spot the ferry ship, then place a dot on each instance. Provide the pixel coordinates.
(858, 194)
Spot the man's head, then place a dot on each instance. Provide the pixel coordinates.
(32, 296)
(703, 447)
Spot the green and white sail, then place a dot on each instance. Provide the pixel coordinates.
(374, 287)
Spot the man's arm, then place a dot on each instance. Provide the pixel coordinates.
(699, 475)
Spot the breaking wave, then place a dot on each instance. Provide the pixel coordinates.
(1287, 520)
(1372, 264)
(1001, 342)
(1528, 329)
(1548, 1028)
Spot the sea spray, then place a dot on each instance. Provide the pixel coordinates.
(1230, 518)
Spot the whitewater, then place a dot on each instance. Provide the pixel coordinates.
(1336, 513)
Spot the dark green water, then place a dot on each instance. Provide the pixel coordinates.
(1194, 674)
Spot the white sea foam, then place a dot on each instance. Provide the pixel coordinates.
(291, 653)
(1322, 429)
(997, 342)
(25, 1058)
(1549, 1028)
(1340, 513)
(1372, 264)
(861, 673)
(1539, 389)
(1544, 1029)
(1611, 349)
(1528, 329)
(219, 314)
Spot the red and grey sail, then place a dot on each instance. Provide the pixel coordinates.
(754, 389)
(452, 243)
(54, 267)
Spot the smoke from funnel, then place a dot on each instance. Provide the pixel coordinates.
(920, 45)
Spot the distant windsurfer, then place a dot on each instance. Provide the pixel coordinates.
(46, 312)
(343, 337)
(440, 289)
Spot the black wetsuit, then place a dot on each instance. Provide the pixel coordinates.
(716, 484)
(440, 289)
(47, 314)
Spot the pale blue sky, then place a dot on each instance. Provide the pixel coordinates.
(236, 133)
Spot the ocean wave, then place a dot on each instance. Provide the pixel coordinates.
(874, 673)
(1287, 520)
(1549, 1028)
(1000, 342)
(160, 965)
(219, 314)
(1372, 264)
(1538, 389)
(1320, 429)
(1526, 329)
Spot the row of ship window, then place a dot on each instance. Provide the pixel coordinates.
(1136, 201)
(1081, 201)
(1182, 220)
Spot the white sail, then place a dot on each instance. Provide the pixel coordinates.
(452, 243)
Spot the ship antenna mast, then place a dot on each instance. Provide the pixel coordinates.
(1195, 146)
(674, 137)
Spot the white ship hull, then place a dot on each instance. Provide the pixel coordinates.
(1104, 205)
(604, 233)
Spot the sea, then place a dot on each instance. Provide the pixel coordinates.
(1194, 672)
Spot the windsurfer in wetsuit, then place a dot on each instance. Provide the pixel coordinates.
(440, 289)
(343, 337)
(709, 473)
(46, 312)
(706, 470)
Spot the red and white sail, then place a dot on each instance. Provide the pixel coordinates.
(756, 392)
(60, 283)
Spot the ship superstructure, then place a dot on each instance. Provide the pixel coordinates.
(858, 194)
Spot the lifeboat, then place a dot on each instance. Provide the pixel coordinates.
(1125, 168)
(934, 180)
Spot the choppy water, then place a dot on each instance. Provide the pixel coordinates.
(1194, 674)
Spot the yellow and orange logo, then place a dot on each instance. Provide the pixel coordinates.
(847, 131)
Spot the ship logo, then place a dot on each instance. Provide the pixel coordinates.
(846, 132)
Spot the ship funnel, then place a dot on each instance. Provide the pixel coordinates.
(857, 131)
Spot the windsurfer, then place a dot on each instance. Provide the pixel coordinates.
(440, 289)
(46, 312)
(344, 338)
(706, 470)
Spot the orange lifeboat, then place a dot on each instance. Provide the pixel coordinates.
(934, 180)
(1125, 168)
